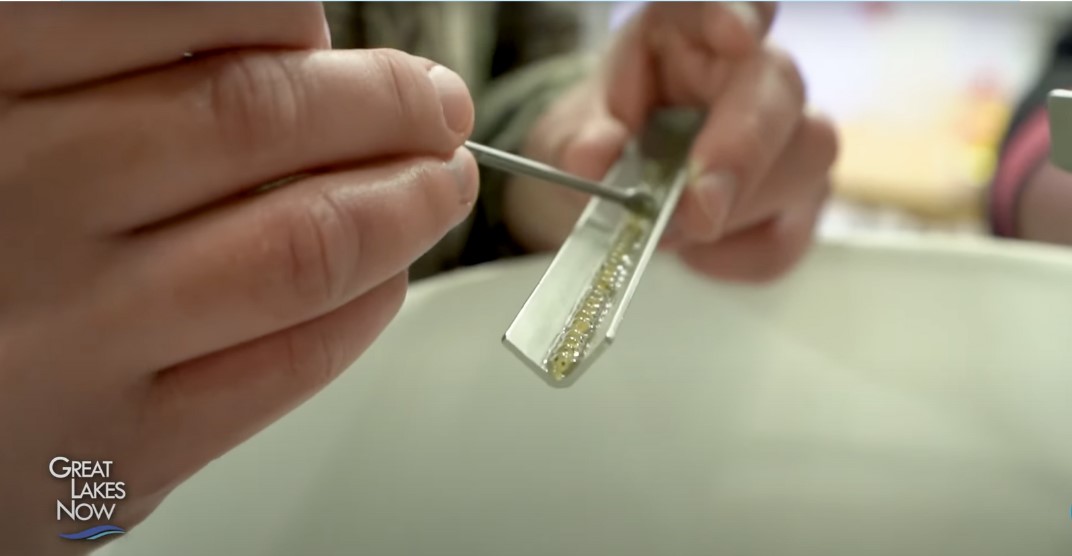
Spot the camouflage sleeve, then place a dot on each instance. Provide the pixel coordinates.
(536, 57)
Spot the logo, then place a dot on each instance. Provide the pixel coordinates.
(93, 496)
(94, 533)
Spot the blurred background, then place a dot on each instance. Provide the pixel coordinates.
(921, 93)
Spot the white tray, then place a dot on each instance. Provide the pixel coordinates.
(890, 398)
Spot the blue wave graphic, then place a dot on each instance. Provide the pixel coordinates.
(94, 533)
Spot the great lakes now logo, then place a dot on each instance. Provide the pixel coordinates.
(93, 496)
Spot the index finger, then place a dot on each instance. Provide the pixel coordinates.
(234, 122)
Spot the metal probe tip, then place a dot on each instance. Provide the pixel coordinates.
(633, 199)
(641, 203)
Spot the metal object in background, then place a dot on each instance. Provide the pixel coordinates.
(1060, 112)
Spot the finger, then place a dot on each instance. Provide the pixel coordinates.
(595, 148)
(205, 407)
(47, 46)
(759, 254)
(278, 259)
(555, 131)
(688, 75)
(542, 215)
(728, 28)
(746, 130)
(797, 175)
(234, 122)
(577, 135)
(672, 52)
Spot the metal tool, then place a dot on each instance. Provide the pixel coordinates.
(1059, 107)
(577, 307)
(633, 198)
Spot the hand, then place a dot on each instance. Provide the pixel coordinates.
(759, 166)
(155, 310)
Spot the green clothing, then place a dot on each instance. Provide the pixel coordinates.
(516, 59)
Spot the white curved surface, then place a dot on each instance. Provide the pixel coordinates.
(887, 399)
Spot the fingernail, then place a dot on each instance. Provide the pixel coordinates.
(466, 175)
(716, 191)
(454, 95)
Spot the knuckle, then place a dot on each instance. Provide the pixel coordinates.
(745, 150)
(403, 87)
(313, 265)
(255, 100)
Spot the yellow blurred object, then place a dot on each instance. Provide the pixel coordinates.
(923, 171)
(981, 122)
(936, 171)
